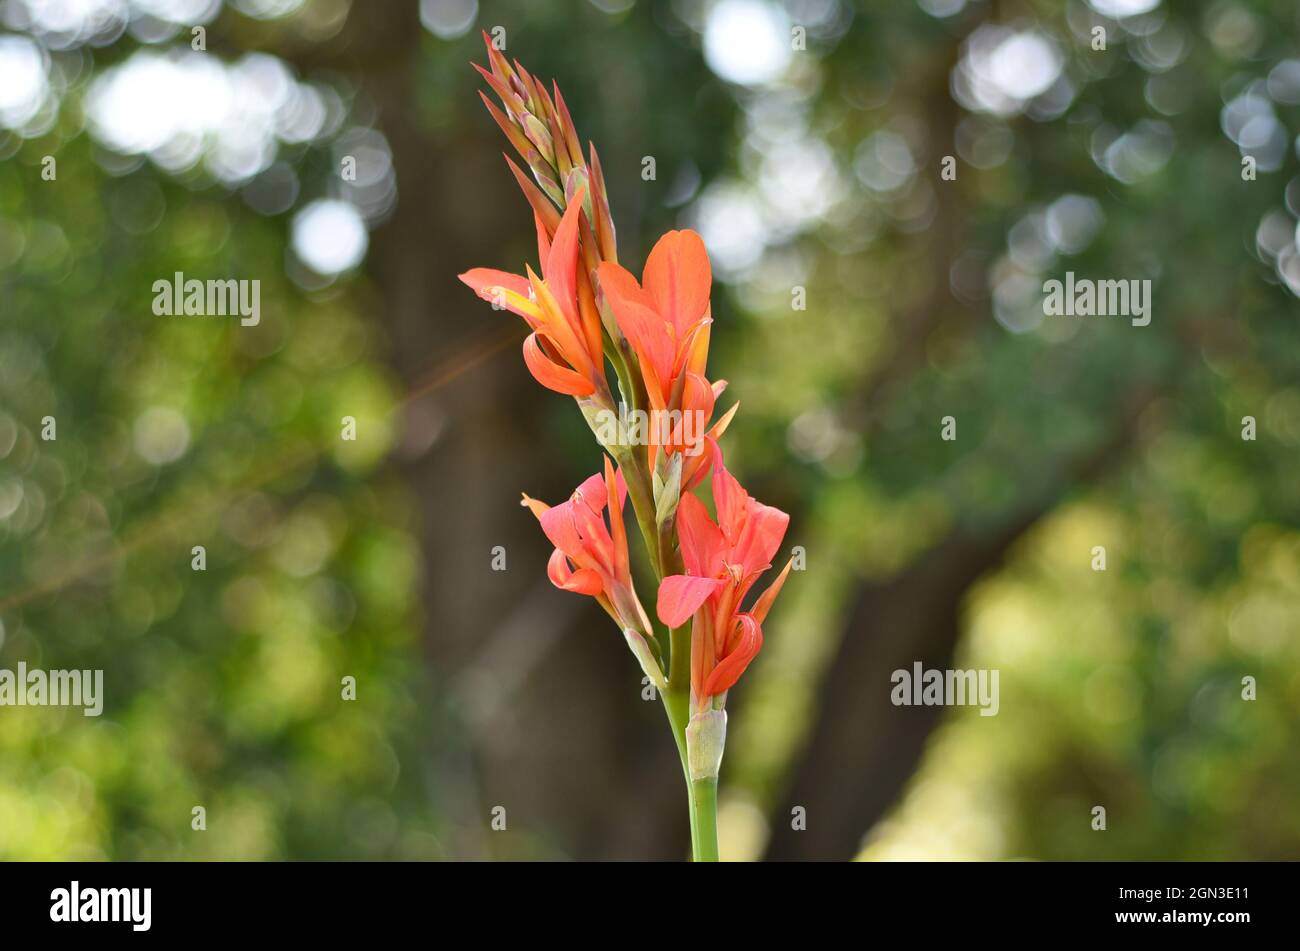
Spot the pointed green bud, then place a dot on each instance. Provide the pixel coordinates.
(603, 422)
(610, 323)
(540, 136)
(544, 178)
(667, 487)
(574, 181)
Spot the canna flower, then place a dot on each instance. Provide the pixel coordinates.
(583, 309)
(591, 557)
(565, 351)
(666, 318)
(722, 560)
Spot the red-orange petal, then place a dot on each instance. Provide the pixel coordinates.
(760, 537)
(644, 328)
(617, 529)
(724, 676)
(582, 581)
(560, 266)
(543, 239)
(701, 542)
(678, 277)
(695, 347)
(482, 279)
(697, 400)
(697, 467)
(729, 499)
(551, 375)
(503, 289)
(680, 596)
(765, 600)
(560, 332)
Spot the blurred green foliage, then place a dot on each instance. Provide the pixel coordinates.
(223, 688)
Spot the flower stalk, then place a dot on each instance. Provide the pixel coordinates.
(585, 311)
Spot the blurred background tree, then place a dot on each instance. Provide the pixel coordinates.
(337, 152)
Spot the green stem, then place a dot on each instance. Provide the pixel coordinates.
(677, 705)
(643, 502)
(702, 803)
(704, 819)
(702, 795)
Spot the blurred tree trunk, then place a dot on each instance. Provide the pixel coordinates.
(862, 750)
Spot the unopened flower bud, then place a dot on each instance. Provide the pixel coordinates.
(667, 488)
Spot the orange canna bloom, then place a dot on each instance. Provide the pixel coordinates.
(565, 351)
(590, 557)
(722, 560)
(666, 319)
(583, 309)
